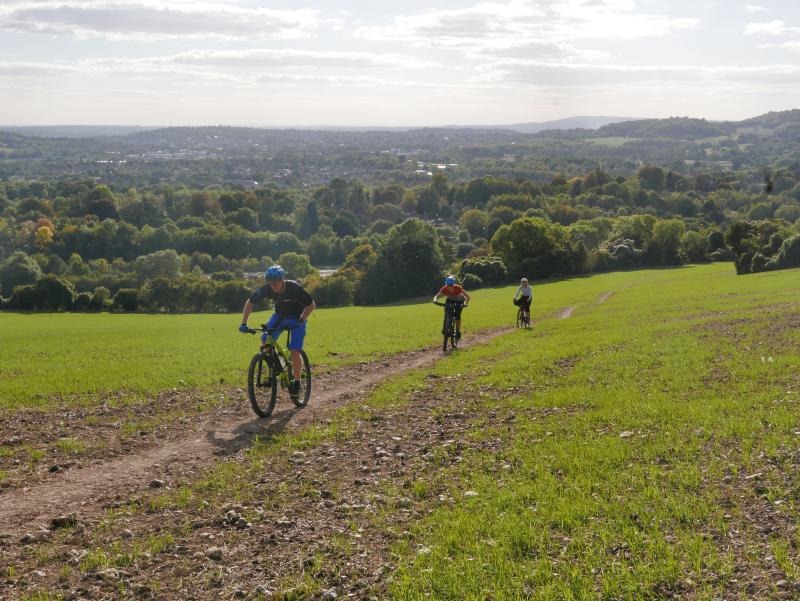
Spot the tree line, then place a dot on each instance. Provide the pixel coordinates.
(79, 244)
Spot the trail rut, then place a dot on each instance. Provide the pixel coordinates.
(214, 436)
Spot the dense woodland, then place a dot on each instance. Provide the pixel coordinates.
(184, 219)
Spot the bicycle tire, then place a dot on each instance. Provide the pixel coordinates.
(305, 383)
(262, 391)
(446, 330)
(520, 319)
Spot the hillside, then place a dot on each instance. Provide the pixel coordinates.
(639, 442)
(222, 154)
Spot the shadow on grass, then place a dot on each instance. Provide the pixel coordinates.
(266, 429)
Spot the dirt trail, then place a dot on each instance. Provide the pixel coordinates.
(605, 296)
(567, 313)
(214, 436)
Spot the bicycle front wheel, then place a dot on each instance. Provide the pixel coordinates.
(447, 332)
(262, 385)
(520, 318)
(301, 400)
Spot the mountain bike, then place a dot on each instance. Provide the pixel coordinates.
(271, 368)
(523, 316)
(449, 325)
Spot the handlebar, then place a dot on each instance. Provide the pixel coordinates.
(264, 328)
(465, 305)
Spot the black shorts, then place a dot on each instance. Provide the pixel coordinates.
(459, 306)
(523, 302)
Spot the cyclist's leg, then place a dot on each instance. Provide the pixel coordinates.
(295, 346)
(457, 316)
(272, 323)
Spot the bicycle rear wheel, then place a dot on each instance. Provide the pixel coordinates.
(301, 400)
(262, 385)
(447, 331)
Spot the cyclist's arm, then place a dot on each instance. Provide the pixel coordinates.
(466, 295)
(307, 311)
(436, 296)
(518, 292)
(248, 309)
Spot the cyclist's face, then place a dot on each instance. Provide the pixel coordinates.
(276, 285)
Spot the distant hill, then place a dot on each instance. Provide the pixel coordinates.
(208, 155)
(533, 127)
(73, 131)
(585, 122)
(677, 128)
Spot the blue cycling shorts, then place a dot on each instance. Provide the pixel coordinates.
(281, 324)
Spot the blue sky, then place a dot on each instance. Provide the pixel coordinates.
(257, 62)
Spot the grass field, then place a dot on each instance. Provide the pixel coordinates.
(647, 447)
(653, 453)
(47, 359)
(612, 141)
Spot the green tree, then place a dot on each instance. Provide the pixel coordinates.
(428, 202)
(475, 222)
(55, 293)
(297, 266)
(695, 246)
(126, 299)
(162, 263)
(410, 263)
(652, 177)
(361, 258)
(19, 269)
(667, 235)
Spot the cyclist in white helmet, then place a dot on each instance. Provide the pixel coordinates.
(525, 295)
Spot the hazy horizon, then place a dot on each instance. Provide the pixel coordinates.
(280, 64)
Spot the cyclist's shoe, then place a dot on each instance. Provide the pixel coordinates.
(458, 334)
(294, 388)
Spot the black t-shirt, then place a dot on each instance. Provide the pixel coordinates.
(289, 303)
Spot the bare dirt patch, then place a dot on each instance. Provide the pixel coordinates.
(604, 297)
(567, 313)
(317, 523)
(115, 471)
(760, 520)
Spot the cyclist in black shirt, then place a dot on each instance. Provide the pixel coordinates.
(293, 305)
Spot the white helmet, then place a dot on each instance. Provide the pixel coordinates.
(523, 281)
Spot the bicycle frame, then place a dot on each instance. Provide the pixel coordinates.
(449, 324)
(271, 343)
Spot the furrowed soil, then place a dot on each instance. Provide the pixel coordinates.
(590, 443)
(171, 440)
(128, 454)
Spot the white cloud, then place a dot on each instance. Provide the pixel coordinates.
(585, 75)
(153, 19)
(298, 58)
(776, 28)
(30, 69)
(794, 45)
(491, 26)
(755, 8)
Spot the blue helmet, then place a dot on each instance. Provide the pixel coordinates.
(274, 273)
(449, 280)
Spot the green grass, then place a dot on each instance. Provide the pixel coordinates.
(612, 141)
(624, 471)
(663, 393)
(50, 358)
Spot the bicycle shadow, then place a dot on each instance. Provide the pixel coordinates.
(265, 429)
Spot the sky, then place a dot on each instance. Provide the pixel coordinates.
(306, 63)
